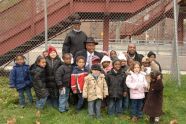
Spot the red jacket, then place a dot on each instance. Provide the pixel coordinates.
(77, 79)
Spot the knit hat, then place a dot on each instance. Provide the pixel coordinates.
(94, 58)
(150, 53)
(50, 49)
(96, 67)
(105, 58)
(121, 56)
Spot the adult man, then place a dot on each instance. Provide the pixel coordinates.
(132, 53)
(75, 39)
(89, 51)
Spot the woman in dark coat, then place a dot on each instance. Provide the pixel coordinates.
(153, 104)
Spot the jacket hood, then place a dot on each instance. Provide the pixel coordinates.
(105, 58)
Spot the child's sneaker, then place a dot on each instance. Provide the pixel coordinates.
(157, 119)
(134, 118)
(22, 106)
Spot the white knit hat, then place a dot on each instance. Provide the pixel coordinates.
(121, 56)
(105, 58)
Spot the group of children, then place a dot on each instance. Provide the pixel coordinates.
(115, 82)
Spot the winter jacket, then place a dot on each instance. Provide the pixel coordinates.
(63, 75)
(77, 79)
(137, 84)
(154, 101)
(20, 77)
(74, 42)
(51, 68)
(39, 81)
(116, 84)
(95, 89)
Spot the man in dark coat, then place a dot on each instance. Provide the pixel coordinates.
(132, 53)
(89, 52)
(75, 39)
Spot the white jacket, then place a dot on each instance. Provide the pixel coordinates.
(137, 84)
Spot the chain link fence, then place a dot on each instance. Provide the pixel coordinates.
(147, 23)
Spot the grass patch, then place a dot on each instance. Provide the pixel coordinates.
(174, 108)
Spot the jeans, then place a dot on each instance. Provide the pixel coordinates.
(94, 108)
(80, 101)
(136, 107)
(63, 100)
(40, 103)
(22, 96)
(115, 106)
(125, 103)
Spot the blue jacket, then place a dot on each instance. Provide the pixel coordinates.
(20, 77)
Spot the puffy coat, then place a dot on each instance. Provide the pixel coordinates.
(116, 84)
(74, 42)
(95, 89)
(154, 101)
(137, 84)
(77, 79)
(39, 81)
(20, 77)
(51, 68)
(63, 76)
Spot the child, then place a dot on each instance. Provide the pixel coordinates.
(20, 79)
(95, 89)
(137, 83)
(123, 60)
(77, 80)
(106, 64)
(152, 58)
(62, 77)
(116, 87)
(39, 84)
(124, 69)
(53, 63)
(113, 55)
(153, 104)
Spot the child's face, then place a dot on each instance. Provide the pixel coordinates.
(146, 64)
(96, 72)
(123, 62)
(152, 58)
(105, 64)
(45, 54)
(53, 55)
(67, 59)
(130, 62)
(81, 63)
(117, 65)
(113, 54)
(20, 60)
(42, 63)
(137, 68)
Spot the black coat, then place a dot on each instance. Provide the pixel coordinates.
(138, 57)
(74, 42)
(63, 76)
(51, 68)
(154, 101)
(39, 81)
(84, 54)
(116, 84)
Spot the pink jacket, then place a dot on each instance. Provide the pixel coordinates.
(137, 84)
